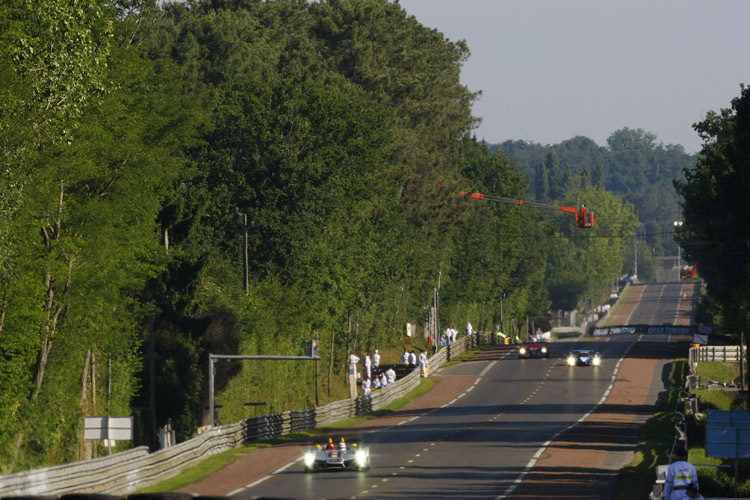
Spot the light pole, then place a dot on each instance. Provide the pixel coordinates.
(677, 226)
(502, 325)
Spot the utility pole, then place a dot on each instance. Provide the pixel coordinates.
(152, 381)
(742, 369)
(245, 260)
(502, 325)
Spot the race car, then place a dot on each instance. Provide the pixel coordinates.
(534, 349)
(584, 357)
(343, 456)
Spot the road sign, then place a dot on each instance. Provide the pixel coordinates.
(113, 428)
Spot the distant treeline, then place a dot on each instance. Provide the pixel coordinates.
(633, 165)
(147, 151)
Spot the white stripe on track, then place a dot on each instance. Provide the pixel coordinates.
(546, 445)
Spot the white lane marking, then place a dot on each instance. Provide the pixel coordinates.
(546, 445)
(679, 303)
(255, 483)
(481, 374)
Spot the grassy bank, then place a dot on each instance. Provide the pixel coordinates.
(618, 306)
(716, 475)
(637, 478)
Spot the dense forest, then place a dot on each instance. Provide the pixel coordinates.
(232, 176)
(633, 165)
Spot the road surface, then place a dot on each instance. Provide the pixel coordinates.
(496, 427)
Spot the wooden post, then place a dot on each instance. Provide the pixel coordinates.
(742, 369)
(245, 260)
(317, 374)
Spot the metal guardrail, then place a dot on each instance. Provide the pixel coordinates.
(132, 470)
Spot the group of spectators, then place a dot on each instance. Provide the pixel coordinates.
(411, 359)
(374, 377)
(450, 334)
(379, 380)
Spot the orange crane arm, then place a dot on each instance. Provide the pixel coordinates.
(584, 219)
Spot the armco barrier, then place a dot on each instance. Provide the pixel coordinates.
(126, 472)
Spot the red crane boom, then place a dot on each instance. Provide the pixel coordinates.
(584, 218)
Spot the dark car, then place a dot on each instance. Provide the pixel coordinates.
(584, 357)
(534, 349)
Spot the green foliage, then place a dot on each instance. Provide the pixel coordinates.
(584, 263)
(633, 166)
(714, 233)
(340, 129)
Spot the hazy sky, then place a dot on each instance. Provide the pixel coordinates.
(553, 69)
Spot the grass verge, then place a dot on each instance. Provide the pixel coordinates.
(619, 305)
(637, 478)
(716, 475)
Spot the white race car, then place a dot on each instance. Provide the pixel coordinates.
(341, 456)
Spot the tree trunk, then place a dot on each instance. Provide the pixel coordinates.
(330, 362)
(84, 381)
(50, 327)
(54, 311)
(3, 306)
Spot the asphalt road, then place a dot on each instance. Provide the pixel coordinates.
(479, 445)
(658, 304)
(518, 428)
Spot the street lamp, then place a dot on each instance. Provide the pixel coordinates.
(677, 226)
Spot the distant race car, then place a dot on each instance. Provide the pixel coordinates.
(344, 456)
(584, 357)
(534, 349)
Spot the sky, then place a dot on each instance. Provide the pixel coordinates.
(550, 70)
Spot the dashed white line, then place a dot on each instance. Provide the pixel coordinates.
(546, 445)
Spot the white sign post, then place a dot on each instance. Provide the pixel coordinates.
(110, 429)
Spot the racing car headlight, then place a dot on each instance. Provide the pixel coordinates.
(596, 361)
(309, 459)
(361, 458)
(522, 350)
(571, 360)
(544, 349)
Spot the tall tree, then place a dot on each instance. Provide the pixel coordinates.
(542, 188)
(715, 233)
(552, 166)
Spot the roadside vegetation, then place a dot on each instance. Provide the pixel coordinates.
(618, 306)
(637, 478)
(182, 179)
(716, 475)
